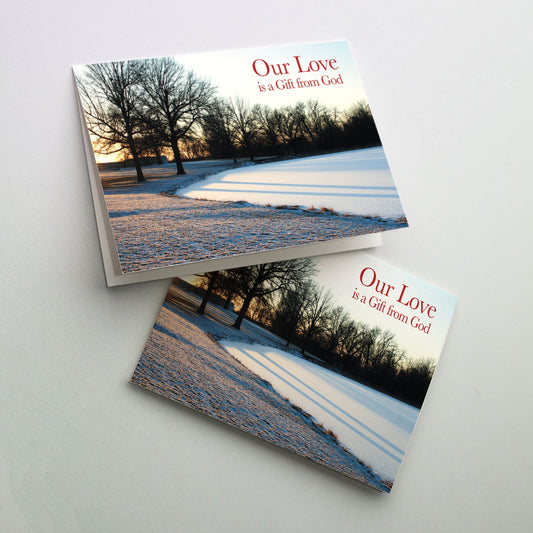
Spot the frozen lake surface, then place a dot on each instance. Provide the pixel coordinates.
(373, 426)
(356, 181)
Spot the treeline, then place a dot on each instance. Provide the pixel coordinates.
(232, 128)
(283, 298)
(154, 107)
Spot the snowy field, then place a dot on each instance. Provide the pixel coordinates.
(155, 226)
(373, 426)
(183, 361)
(356, 181)
(154, 230)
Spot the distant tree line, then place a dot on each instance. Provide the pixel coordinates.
(282, 298)
(147, 108)
(232, 128)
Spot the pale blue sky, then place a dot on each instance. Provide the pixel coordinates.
(341, 274)
(232, 72)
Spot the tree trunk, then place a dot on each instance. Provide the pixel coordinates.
(250, 295)
(135, 157)
(138, 169)
(247, 301)
(177, 157)
(228, 300)
(158, 155)
(248, 146)
(210, 286)
(244, 308)
(250, 153)
(302, 351)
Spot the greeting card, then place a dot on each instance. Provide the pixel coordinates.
(227, 159)
(328, 357)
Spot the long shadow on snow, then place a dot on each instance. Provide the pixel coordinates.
(313, 164)
(301, 193)
(381, 406)
(313, 185)
(176, 336)
(334, 415)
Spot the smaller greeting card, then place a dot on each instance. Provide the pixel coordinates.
(328, 357)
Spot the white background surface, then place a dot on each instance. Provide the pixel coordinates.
(450, 83)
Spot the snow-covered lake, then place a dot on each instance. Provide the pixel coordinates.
(356, 181)
(373, 426)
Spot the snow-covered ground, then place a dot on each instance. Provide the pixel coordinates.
(183, 361)
(356, 181)
(373, 426)
(154, 230)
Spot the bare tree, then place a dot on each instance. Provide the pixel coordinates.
(175, 100)
(243, 124)
(359, 125)
(369, 338)
(269, 123)
(350, 345)
(385, 355)
(316, 121)
(149, 145)
(211, 278)
(110, 101)
(289, 311)
(218, 130)
(315, 313)
(414, 379)
(263, 280)
(424, 367)
(229, 286)
(290, 129)
(334, 329)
